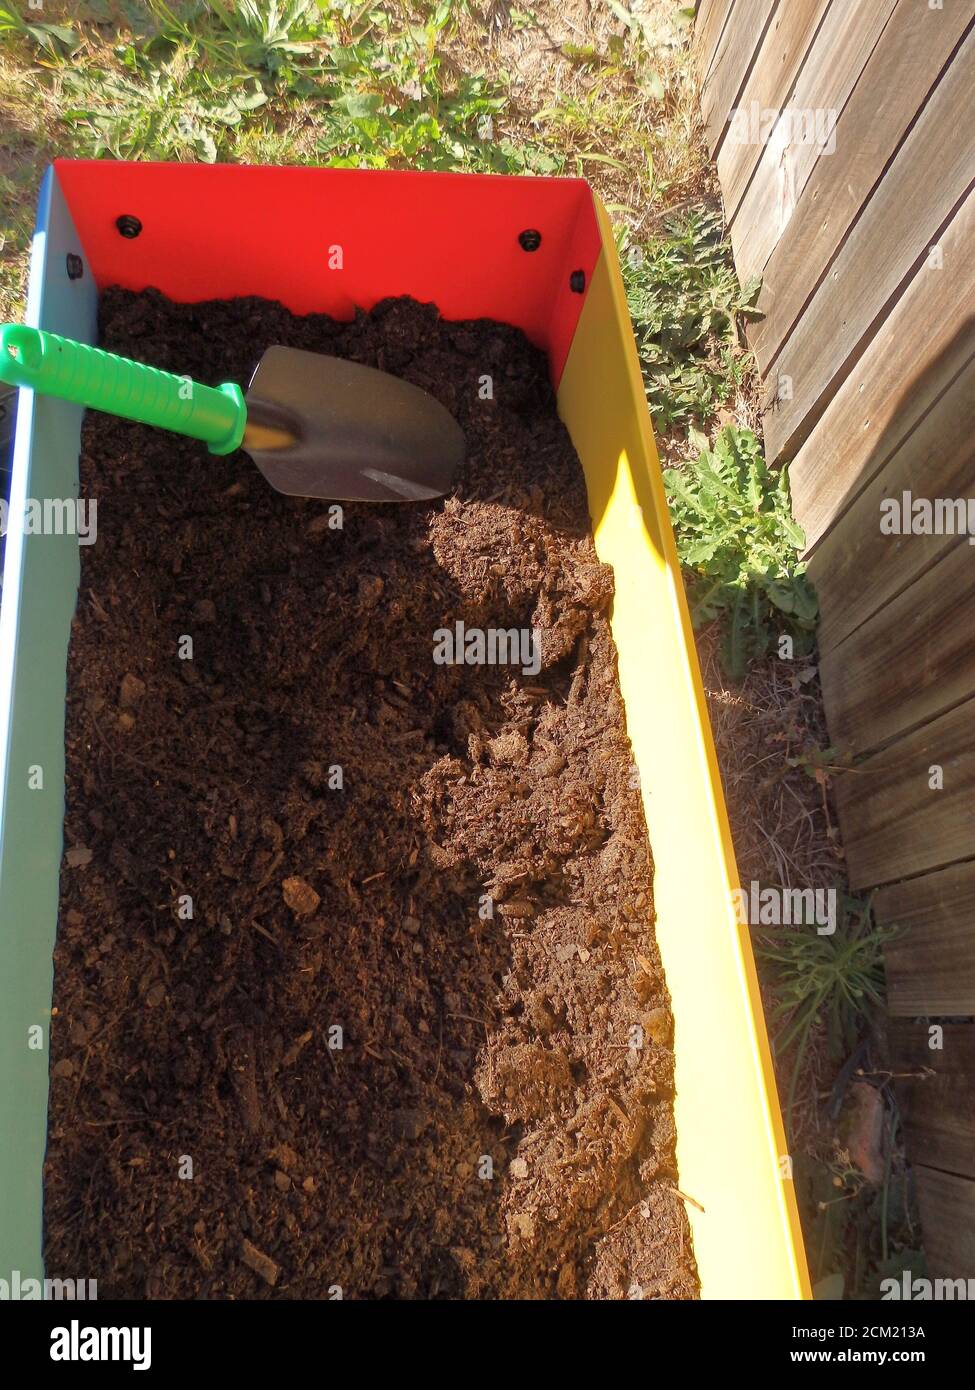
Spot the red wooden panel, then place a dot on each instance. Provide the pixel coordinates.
(217, 231)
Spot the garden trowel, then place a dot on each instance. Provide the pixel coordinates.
(316, 426)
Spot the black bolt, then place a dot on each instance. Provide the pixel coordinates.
(529, 239)
(74, 265)
(577, 281)
(128, 225)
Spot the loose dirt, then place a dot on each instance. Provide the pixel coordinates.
(355, 953)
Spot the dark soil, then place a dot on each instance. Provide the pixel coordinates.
(485, 1129)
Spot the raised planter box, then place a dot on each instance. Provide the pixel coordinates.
(329, 240)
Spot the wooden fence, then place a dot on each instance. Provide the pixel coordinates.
(844, 135)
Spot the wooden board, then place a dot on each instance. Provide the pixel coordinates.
(931, 963)
(924, 343)
(936, 1093)
(910, 662)
(736, 51)
(893, 824)
(947, 1207)
(830, 71)
(786, 42)
(709, 22)
(930, 174)
(898, 75)
(856, 569)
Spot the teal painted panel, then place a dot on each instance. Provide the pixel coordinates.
(40, 587)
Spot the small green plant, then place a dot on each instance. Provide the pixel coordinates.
(833, 979)
(54, 38)
(740, 548)
(684, 299)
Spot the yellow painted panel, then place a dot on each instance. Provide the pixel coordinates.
(730, 1140)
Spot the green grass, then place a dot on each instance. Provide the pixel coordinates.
(347, 84)
(830, 981)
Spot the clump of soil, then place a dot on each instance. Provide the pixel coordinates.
(352, 944)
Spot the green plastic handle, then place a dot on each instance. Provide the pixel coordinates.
(76, 372)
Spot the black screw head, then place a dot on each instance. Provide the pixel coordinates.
(128, 226)
(74, 266)
(529, 239)
(577, 281)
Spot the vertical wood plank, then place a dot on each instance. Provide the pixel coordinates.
(831, 69)
(894, 822)
(925, 341)
(900, 71)
(907, 664)
(736, 51)
(947, 1205)
(936, 1093)
(709, 22)
(930, 174)
(786, 42)
(931, 962)
(856, 569)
